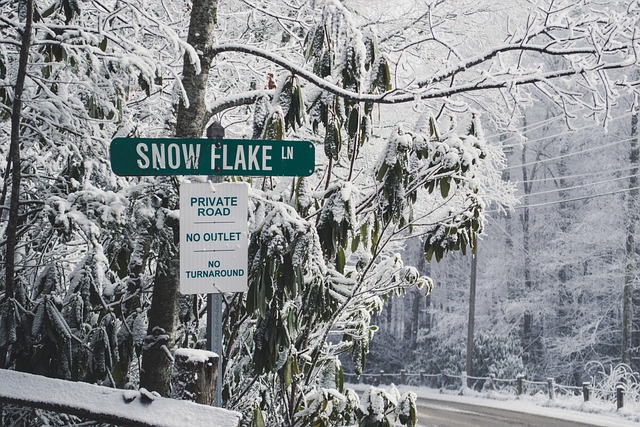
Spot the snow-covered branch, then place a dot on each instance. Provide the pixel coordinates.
(410, 94)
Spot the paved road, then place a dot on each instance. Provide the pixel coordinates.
(434, 413)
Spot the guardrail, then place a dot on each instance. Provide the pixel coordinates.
(193, 379)
(515, 386)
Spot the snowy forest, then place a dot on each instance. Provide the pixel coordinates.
(443, 129)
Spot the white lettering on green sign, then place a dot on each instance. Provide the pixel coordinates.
(172, 156)
(246, 158)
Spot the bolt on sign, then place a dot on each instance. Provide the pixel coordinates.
(198, 156)
(213, 238)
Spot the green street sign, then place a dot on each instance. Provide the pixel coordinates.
(176, 156)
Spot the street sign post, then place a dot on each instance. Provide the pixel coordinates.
(213, 238)
(213, 157)
(213, 216)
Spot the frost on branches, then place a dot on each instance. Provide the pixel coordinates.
(316, 280)
(325, 251)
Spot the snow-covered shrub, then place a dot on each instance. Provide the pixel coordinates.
(605, 380)
(384, 408)
(493, 354)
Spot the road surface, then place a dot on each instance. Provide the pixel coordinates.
(437, 413)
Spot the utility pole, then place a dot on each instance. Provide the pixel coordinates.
(472, 312)
(630, 261)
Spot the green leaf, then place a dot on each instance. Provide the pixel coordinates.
(144, 85)
(299, 96)
(434, 133)
(103, 44)
(445, 185)
(274, 127)
(375, 235)
(385, 75)
(332, 140)
(382, 80)
(354, 122)
(314, 42)
(339, 379)
(341, 260)
(295, 110)
(371, 50)
(323, 66)
(382, 171)
(430, 186)
(428, 251)
(71, 9)
(287, 374)
(257, 420)
(364, 236)
(48, 11)
(355, 242)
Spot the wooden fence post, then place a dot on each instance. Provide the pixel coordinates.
(550, 387)
(194, 376)
(381, 377)
(422, 378)
(585, 391)
(619, 396)
(492, 381)
(519, 384)
(403, 376)
(464, 380)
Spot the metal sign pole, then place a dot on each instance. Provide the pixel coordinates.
(214, 338)
(214, 301)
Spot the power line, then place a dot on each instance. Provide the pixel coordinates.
(575, 153)
(567, 132)
(527, 128)
(575, 199)
(589, 184)
(542, 123)
(580, 175)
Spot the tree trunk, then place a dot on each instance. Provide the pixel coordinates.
(194, 376)
(191, 116)
(397, 318)
(415, 319)
(630, 265)
(157, 361)
(13, 162)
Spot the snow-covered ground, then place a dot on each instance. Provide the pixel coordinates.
(568, 408)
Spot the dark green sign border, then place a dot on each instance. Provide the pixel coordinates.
(193, 156)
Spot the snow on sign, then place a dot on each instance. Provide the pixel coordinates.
(213, 238)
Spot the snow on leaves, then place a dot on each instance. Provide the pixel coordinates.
(317, 272)
(415, 161)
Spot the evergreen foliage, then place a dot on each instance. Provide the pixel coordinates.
(324, 253)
